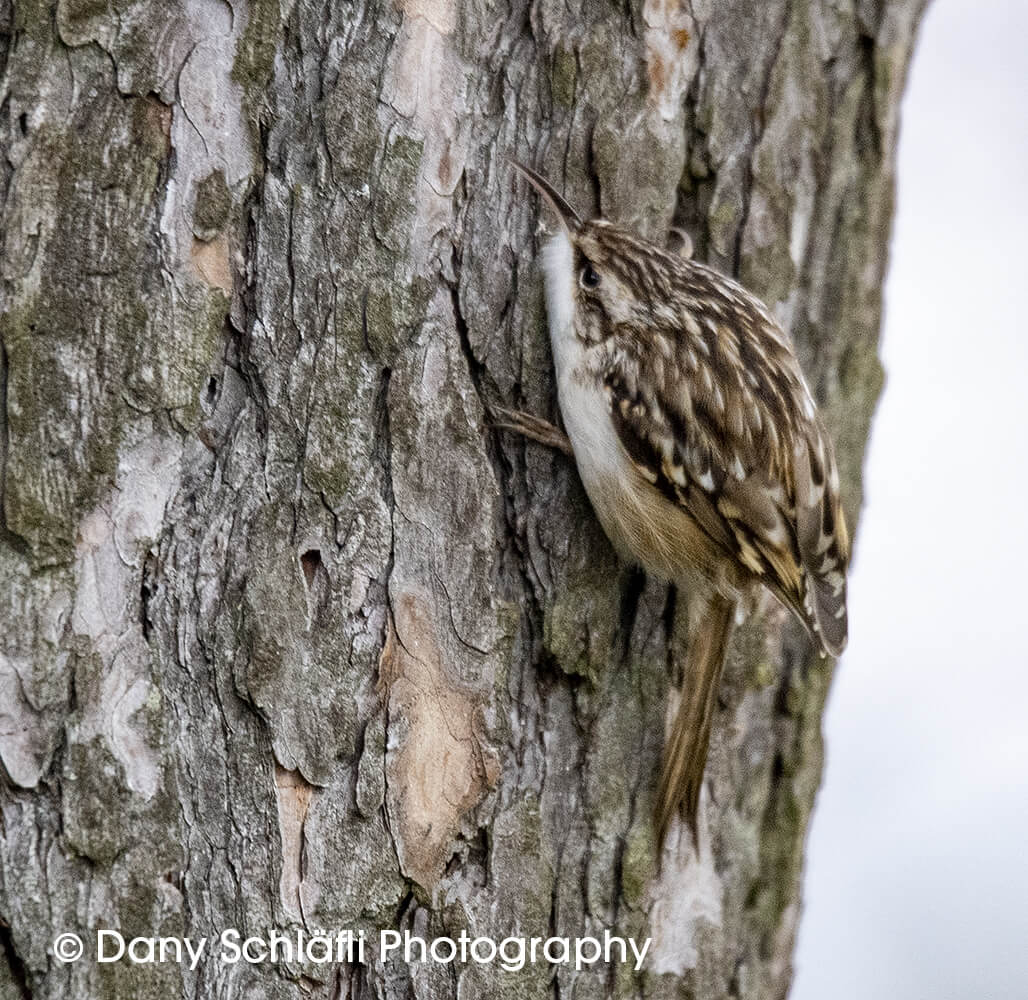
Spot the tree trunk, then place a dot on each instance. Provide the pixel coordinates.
(290, 636)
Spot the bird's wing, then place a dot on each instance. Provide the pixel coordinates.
(716, 415)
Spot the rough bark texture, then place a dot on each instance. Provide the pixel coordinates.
(289, 636)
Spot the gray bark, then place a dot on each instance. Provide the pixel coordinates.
(289, 635)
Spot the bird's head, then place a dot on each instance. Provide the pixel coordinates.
(598, 275)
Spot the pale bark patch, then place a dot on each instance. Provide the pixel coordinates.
(687, 892)
(25, 746)
(112, 539)
(209, 129)
(212, 264)
(437, 766)
(441, 14)
(424, 83)
(293, 795)
(669, 29)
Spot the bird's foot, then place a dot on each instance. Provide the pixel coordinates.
(534, 428)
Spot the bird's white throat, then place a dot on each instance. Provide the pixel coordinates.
(558, 268)
(584, 405)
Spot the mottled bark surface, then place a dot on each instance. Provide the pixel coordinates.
(289, 636)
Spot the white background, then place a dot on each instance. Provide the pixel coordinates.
(917, 873)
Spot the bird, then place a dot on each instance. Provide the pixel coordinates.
(700, 447)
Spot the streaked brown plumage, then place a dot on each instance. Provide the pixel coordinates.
(699, 445)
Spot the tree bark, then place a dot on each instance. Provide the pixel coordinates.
(290, 636)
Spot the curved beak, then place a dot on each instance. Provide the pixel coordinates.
(569, 218)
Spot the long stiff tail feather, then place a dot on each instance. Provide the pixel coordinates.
(685, 755)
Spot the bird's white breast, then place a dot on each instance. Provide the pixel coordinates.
(583, 400)
(639, 522)
(607, 474)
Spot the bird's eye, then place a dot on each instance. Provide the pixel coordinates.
(587, 277)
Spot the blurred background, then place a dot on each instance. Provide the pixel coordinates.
(917, 871)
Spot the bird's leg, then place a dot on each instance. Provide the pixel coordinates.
(533, 427)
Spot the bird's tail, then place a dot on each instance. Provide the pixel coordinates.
(685, 755)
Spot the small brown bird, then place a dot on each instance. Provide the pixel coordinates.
(699, 445)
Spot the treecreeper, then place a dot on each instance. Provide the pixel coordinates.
(700, 447)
